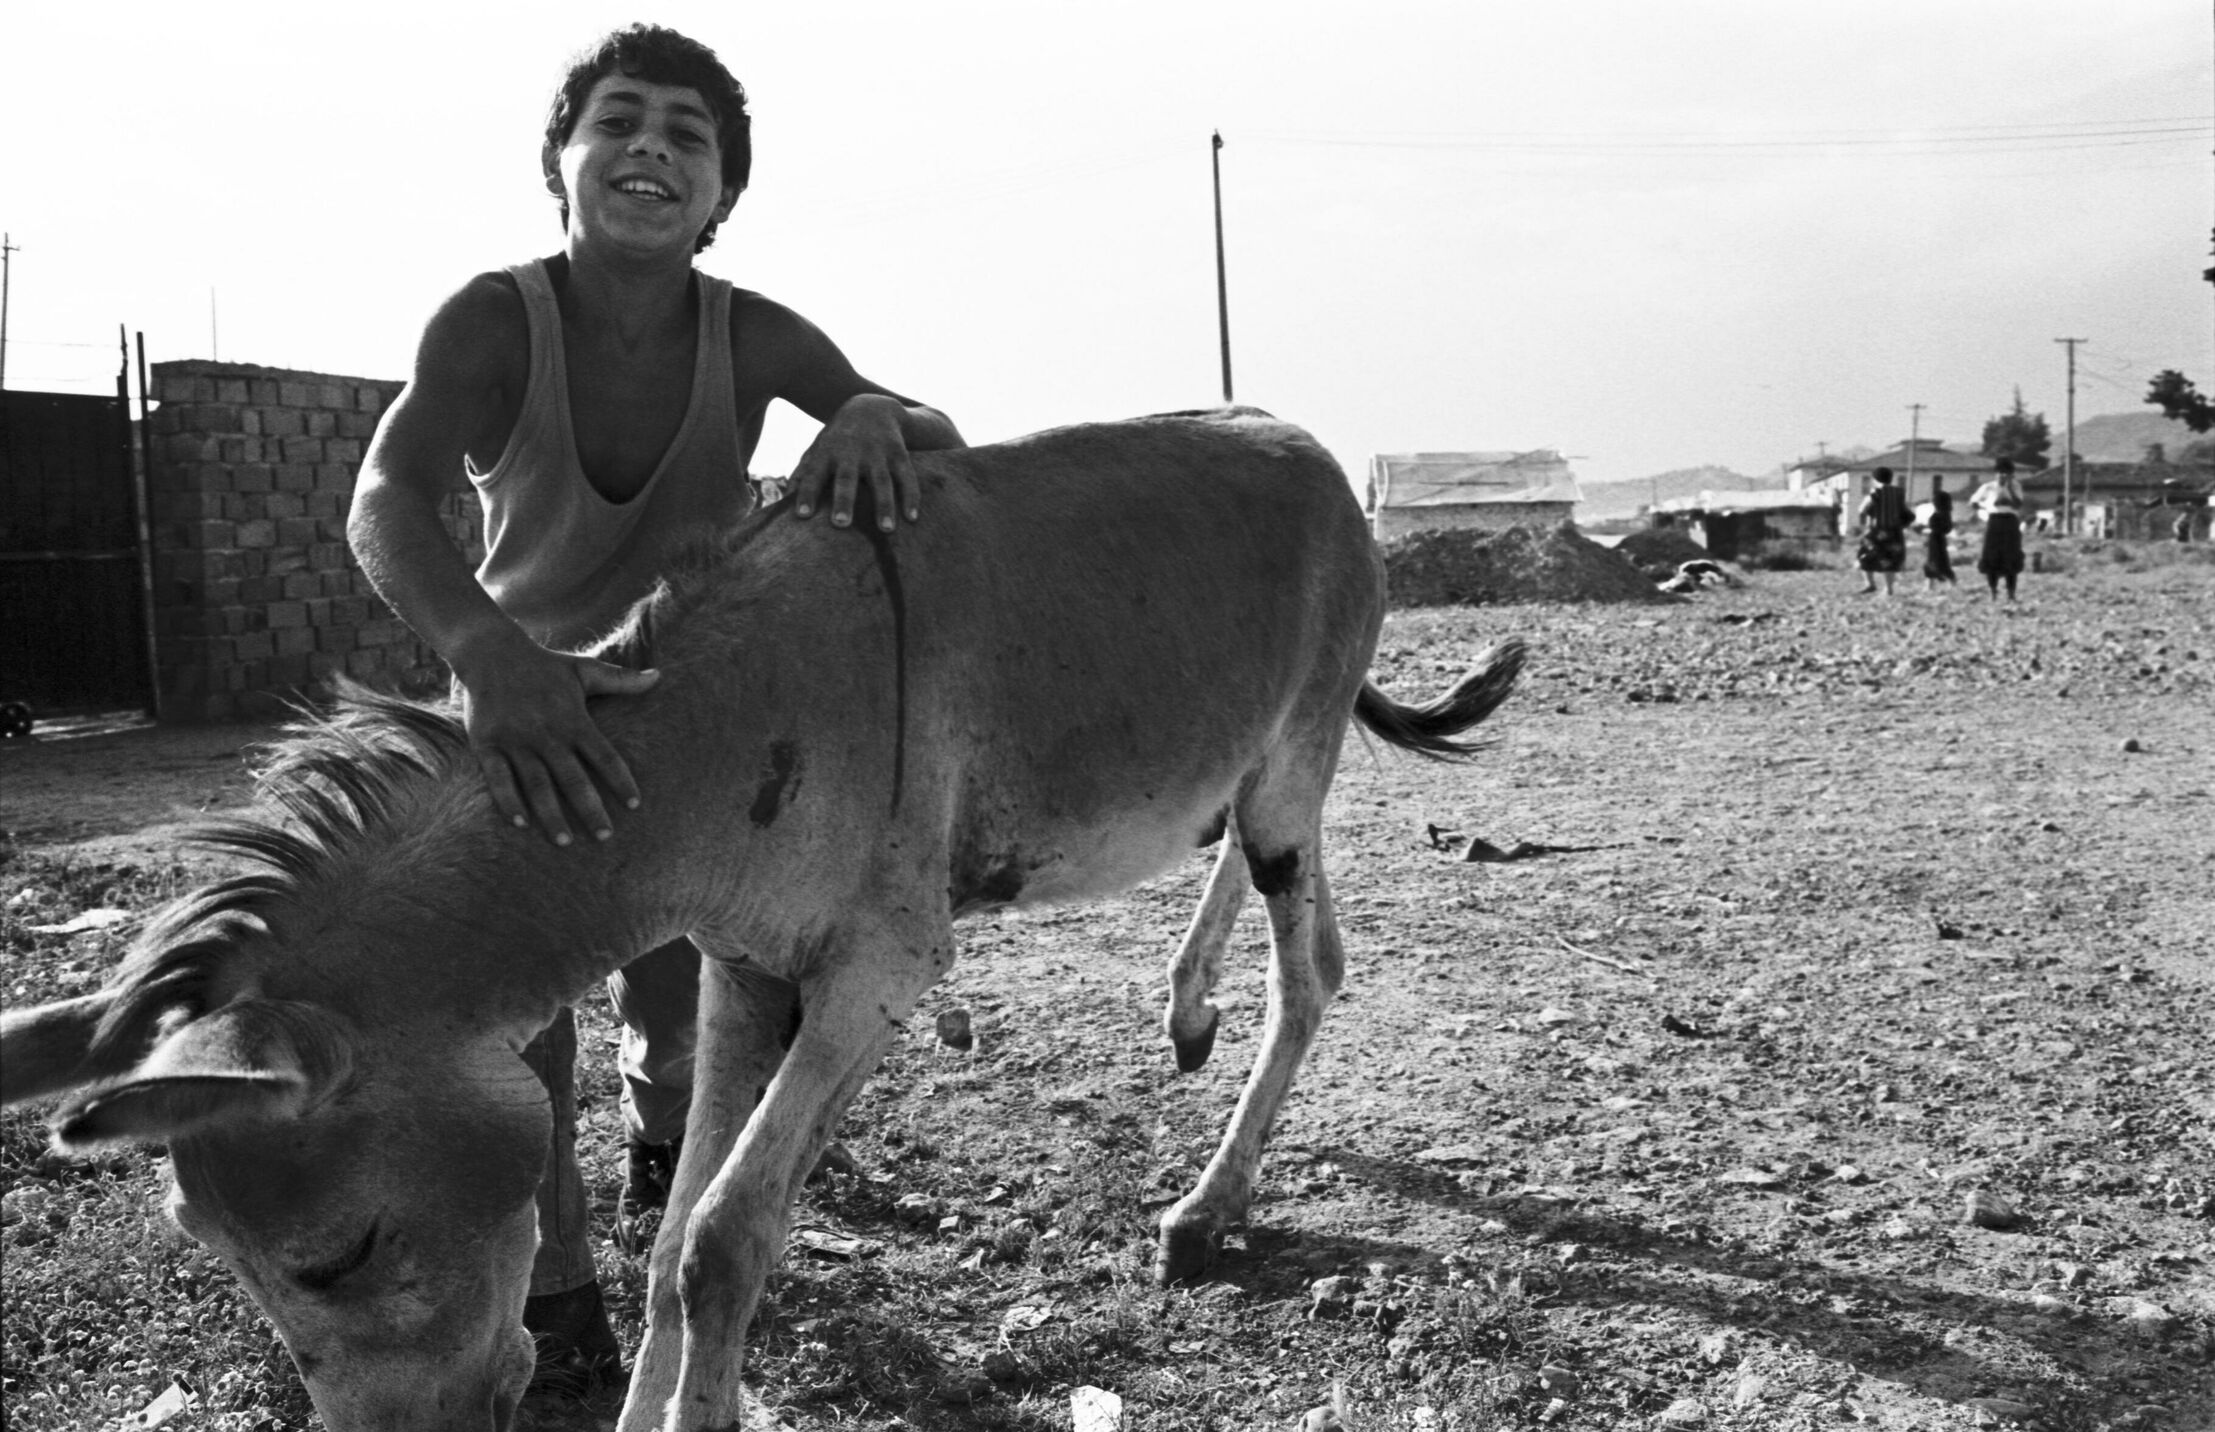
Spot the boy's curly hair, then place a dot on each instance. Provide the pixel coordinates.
(660, 56)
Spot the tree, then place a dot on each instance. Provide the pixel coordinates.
(2020, 436)
(2174, 394)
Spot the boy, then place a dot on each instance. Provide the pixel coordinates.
(604, 403)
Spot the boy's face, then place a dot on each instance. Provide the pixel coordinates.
(642, 170)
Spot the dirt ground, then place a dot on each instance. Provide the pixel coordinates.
(1840, 1057)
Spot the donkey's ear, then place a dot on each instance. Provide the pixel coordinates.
(252, 1059)
(46, 1050)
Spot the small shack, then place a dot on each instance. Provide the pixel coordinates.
(1488, 491)
(1731, 525)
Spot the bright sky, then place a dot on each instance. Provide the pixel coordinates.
(1652, 236)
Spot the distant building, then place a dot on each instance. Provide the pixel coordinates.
(1732, 524)
(1490, 491)
(1920, 466)
(2137, 500)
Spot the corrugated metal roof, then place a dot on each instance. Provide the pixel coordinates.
(1455, 479)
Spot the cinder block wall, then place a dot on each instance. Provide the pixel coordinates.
(256, 596)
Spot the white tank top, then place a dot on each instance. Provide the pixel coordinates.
(561, 560)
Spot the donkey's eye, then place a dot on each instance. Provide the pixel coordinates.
(323, 1275)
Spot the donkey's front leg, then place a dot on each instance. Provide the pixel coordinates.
(747, 1018)
(850, 1010)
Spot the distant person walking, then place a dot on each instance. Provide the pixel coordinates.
(1938, 562)
(1884, 522)
(2001, 502)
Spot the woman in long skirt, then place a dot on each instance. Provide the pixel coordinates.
(2001, 501)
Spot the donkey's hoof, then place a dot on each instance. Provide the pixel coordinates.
(1187, 1249)
(1193, 1052)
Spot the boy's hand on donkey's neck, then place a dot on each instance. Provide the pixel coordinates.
(536, 743)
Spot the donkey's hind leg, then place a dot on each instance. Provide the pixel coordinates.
(1306, 965)
(1192, 1016)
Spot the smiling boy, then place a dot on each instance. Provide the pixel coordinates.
(605, 402)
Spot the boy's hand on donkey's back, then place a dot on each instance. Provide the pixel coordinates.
(862, 443)
(538, 746)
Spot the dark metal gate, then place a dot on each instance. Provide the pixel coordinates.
(72, 600)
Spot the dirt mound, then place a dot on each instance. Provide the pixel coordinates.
(1520, 564)
(1659, 551)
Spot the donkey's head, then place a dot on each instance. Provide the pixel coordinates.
(377, 1207)
(364, 1160)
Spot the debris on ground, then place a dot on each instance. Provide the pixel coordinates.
(1471, 567)
(1660, 552)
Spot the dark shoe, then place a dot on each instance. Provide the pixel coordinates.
(650, 1172)
(577, 1352)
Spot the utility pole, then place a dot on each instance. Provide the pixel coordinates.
(1222, 285)
(1914, 440)
(7, 248)
(2069, 442)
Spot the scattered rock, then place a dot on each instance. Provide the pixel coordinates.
(1332, 1295)
(1559, 1382)
(1552, 1017)
(2004, 1409)
(96, 919)
(1750, 1178)
(1684, 1412)
(173, 1403)
(1987, 1209)
(1455, 1154)
(1322, 1419)
(2145, 1317)
(917, 1208)
(953, 1029)
(1095, 1409)
(830, 1243)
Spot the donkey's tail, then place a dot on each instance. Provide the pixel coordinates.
(1429, 729)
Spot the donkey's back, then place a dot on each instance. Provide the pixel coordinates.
(1060, 678)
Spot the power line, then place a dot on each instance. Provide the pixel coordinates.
(1978, 138)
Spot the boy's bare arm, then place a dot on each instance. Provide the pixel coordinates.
(525, 705)
(868, 430)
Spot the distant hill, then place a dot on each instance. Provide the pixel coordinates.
(1601, 501)
(2124, 437)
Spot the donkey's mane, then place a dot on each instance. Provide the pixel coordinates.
(697, 573)
(337, 777)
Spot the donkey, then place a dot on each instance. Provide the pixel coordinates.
(1106, 645)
